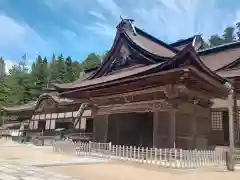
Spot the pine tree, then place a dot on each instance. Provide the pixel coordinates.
(91, 61)
(61, 69)
(53, 77)
(69, 74)
(228, 35)
(215, 40)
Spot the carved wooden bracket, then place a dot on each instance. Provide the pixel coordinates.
(135, 107)
(173, 95)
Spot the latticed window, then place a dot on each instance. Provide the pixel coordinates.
(217, 120)
(238, 119)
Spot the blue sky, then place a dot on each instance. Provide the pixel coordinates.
(78, 27)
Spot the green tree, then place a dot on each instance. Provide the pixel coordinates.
(91, 61)
(38, 78)
(69, 74)
(215, 40)
(53, 72)
(228, 35)
(238, 30)
(3, 94)
(205, 45)
(2, 68)
(46, 71)
(18, 84)
(60, 69)
(77, 69)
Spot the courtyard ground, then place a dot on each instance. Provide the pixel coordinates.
(15, 155)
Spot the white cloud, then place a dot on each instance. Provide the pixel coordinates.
(57, 6)
(169, 20)
(8, 65)
(111, 6)
(103, 29)
(175, 19)
(97, 15)
(18, 38)
(237, 18)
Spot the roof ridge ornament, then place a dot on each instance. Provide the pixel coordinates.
(130, 22)
(197, 42)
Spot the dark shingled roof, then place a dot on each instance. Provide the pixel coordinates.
(150, 43)
(220, 56)
(141, 71)
(32, 105)
(78, 81)
(232, 73)
(28, 106)
(182, 43)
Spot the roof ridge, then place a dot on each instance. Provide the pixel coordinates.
(145, 34)
(182, 41)
(156, 40)
(219, 46)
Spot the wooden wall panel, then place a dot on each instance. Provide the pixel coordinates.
(100, 128)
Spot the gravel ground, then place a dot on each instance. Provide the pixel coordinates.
(21, 155)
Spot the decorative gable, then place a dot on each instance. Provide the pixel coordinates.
(124, 57)
(45, 105)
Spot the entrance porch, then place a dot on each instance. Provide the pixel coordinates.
(186, 126)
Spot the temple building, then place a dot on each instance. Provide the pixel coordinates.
(148, 93)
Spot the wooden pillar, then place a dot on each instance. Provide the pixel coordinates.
(194, 130)
(230, 163)
(172, 131)
(231, 118)
(155, 128)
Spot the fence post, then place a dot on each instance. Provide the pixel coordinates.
(130, 154)
(146, 154)
(113, 152)
(110, 149)
(123, 152)
(142, 154)
(117, 151)
(151, 156)
(127, 153)
(181, 158)
(134, 153)
(138, 153)
(155, 155)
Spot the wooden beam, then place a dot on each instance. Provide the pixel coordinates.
(144, 91)
(195, 93)
(145, 106)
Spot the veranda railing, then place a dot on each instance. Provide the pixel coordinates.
(172, 158)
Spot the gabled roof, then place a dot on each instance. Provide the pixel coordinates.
(187, 54)
(24, 107)
(232, 73)
(231, 66)
(113, 77)
(147, 46)
(150, 43)
(182, 43)
(155, 51)
(81, 78)
(31, 106)
(217, 58)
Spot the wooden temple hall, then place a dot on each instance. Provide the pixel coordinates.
(147, 92)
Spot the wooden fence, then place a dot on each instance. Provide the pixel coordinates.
(171, 158)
